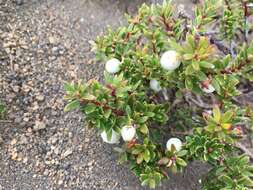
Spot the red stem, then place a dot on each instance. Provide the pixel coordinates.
(231, 70)
(167, 26)
(104, 106)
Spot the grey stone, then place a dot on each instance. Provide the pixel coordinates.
(39, 125)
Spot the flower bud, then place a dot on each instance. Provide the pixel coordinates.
(176, 142)
(128, 133)
(237, 130)
(114, 139)
(170, 60)
(208, 89)
(206, 86)
(112, 66)
(226, 126)
(154, 85)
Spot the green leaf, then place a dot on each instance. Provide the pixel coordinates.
(175, 45)
(145, 182)
(206, 64)
(146, 155)
(217, 114)
(163, 161)
(107, 113)
(128, 110)
(137, 151)
(146, 141)
(220, 170)
(190, 40)
(182, 153)
(189, 70)
(195, 65)
(142, 119)
(122, 158)
(246, 181)
(89, 108)
(89, 97)
(227, 116)
(72, 105)
(181, 162)
(157, 177)
(140, 158)
(109, 134)
(69, 88)
(143, 177)
(150, 114)
(2, 109)
(173, 168)
(216, 86)
(188, 83)
(244, 160)
(108, 78)
(188, 57)
(152, 183)
(144, 129)
(201, 76)
(226, 179)
(179, 94)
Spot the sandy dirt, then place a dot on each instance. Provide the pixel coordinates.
(42, 45)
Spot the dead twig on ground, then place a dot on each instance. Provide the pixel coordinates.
(244, 149)
(199, 102)
(116, 184)
(6, 121)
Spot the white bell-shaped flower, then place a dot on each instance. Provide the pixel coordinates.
(170, 60)
(114, 139)
(208, 89)
(128, 133)
(112, 66)
(176, 142)
(154, 85)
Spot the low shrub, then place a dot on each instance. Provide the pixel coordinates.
(174, 77)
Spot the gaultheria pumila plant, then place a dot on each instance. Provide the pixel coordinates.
(170, 91)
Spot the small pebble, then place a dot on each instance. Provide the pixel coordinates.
(39, 125)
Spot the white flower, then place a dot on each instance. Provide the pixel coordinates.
(112, 66)
(176, 142)
(208, 89)
(128, 133)
(114, 139)
(154, 85)
(170, 60)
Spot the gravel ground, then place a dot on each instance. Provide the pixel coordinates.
(42, 45)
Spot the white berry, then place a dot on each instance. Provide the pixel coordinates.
(170, 60)
(114, 139)
(208, 89)
(176, 142)
(154, 85)
(112, 66)
(128, 133)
